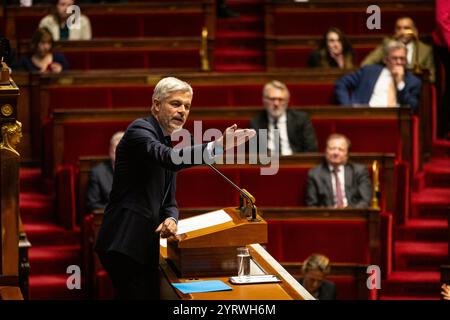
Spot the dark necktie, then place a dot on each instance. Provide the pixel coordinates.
(339, 196)
(277, 138)
(168, 141)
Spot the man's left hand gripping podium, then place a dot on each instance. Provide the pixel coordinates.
(206, 244)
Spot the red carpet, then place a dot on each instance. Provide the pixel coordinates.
(53, 248)
(421, 244)
(239, 42)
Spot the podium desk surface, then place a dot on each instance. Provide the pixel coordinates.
(287, 289)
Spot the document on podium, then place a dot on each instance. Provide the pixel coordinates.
(203, 221)
(200, 222)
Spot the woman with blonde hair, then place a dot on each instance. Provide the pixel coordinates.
(315, 268)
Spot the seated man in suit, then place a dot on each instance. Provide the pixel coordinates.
(336, 182)
(101, 178)
(390, 85)
(295, 130)
(314, 270)
(419, 54)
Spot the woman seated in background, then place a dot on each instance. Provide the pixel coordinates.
(315, 268)
(41, 58)
(335, 51)
(58, 23)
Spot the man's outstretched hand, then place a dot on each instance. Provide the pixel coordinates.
(233, 137)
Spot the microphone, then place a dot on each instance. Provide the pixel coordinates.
(243, 207)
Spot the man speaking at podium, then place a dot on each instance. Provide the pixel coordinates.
(142, 204)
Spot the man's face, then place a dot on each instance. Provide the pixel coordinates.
(312, 280)
(337, 152)
(334, 44)
(275, 101)
(173, 111)
(395, 59)
(405, 30)
(62, 6)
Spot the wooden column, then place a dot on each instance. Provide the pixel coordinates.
(11, 133)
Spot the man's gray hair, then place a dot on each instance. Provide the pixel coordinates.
(277, 85)
(394, 45)
(168, 85)
(116, 137)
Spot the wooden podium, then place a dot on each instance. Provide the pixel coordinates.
(11, 133)
(209, 253)
(212, 251)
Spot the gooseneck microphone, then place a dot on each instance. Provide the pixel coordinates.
(243, 194)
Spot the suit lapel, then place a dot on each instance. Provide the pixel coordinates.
(168, 175)
(325, 176)
(263, 121)
(290, 123)
(348, 182)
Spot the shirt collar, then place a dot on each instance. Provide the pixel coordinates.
(281, 119)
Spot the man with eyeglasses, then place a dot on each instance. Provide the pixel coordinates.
(288, 131)
(420, 55)
(388, 85)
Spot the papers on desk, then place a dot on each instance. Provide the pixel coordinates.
(203, 221)
(200, 222)
(201, 286)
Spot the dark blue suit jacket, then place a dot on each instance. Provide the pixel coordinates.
(99, 186)
(357, 87)
(327, 290)
(143, 192)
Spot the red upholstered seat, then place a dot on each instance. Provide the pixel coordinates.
(78, 97)
(202, 187)
(346, 287)
(127, 96)
(298, 57)
(133, 59)
(286, 188)
(81, 140)
(350, 21)
(340, 240)
(146, 25)
(303, 94)
(383, 134)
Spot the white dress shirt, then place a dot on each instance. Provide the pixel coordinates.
(380, 91)
(341, 176)
(409, 52)
(284, 140)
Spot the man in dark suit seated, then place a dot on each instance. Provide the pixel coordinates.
(315, 268)
(336, 182)
(388, 85)
(289, 131)
(142, 206)
(101, 178)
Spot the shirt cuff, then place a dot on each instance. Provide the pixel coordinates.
(213, 150)
(176, 221)
(400, 86)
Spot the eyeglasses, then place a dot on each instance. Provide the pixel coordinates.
(397, 58)
(273, 99)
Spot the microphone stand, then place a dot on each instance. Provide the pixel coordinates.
(244, 206)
